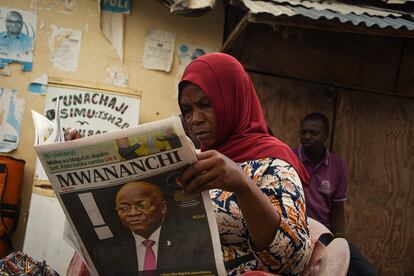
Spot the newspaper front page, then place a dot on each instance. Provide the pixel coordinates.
(122, 197)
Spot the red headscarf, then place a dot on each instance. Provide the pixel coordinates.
(242, 133)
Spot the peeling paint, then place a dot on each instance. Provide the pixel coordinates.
(91, 14)
(64, 45)
(5, 71)
(115, 76)
(65, 12)
(62, 6)
(70, 4)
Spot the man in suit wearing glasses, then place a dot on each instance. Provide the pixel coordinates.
(155, 243)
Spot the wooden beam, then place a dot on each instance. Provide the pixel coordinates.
(236, 33)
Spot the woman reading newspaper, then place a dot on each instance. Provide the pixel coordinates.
(255, 180)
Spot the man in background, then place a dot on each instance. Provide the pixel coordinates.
(328, 186)
(14, 43)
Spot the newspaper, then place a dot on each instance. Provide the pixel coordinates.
(121, 189)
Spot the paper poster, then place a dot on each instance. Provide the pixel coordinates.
(159, 50)
(187, 53)
(39, 85)
(117, 6)
(113, 27)
(64, 44)
(17, 36)
(91, 112)
(116, 77)
(11, 113)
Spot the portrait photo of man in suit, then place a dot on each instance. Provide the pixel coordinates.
(155, 243)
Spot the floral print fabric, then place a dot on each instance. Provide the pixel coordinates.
(291, 248)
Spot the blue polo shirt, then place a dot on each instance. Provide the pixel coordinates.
(328, 183)
(15, 47)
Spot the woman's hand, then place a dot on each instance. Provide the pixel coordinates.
(71, 134)
(213, 170)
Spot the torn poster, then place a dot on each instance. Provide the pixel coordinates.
(159, 50)
(11, 113)
(187, 53)
(17, 36)
(39, 85)
(118, 6)
(115, 76)
(112, 25)
(64, 45)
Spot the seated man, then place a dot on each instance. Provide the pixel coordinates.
(327, 190)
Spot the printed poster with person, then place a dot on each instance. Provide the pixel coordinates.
(17, 36)
(122, 195)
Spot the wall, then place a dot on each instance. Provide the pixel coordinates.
(358, 61)
(373, 133)
(285, 102)
(96, 55)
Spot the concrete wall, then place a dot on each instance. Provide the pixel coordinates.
(96, 55)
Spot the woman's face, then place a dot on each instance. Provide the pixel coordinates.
(198, 115)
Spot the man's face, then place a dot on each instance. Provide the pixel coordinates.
(141, 208)
(198, 115)
(123, 143)
(312, 135)
(14, 23)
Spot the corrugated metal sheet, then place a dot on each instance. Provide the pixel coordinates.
(332, 10)
(400, 2)
(336, 6)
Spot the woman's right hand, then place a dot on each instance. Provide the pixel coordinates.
(72, 134)
(214, 170)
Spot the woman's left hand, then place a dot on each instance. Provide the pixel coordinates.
(72, 134)
(213, 170)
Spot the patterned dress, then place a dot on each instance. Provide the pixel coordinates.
(291, 248)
